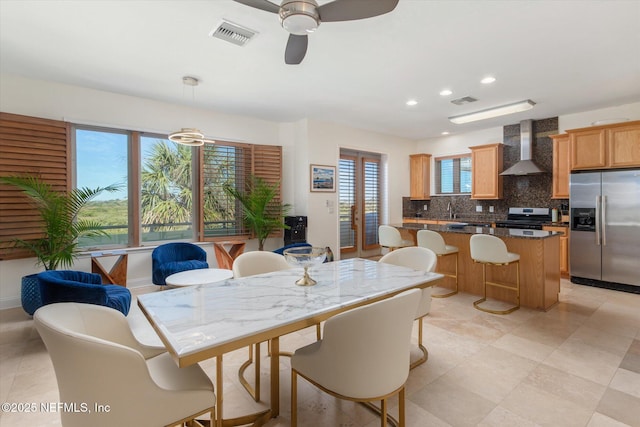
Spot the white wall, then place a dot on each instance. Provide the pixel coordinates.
(325, 142)
(589, 118)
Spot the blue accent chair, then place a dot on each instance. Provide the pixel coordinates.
(173, 258)
(78, 286)
(292, 245)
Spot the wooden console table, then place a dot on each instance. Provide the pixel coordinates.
(226, 257)
(118, 273)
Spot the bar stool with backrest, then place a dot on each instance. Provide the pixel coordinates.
(490, 250)
(434, 241)
(390, 237)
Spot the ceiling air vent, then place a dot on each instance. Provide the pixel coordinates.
(464, 100)
(233, 33)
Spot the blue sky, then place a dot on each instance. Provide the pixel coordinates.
(101, 161)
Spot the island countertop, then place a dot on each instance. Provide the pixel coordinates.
(468, 229)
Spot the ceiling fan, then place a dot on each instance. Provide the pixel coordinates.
(301, 17)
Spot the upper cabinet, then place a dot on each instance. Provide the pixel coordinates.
(420, 168)
(603, 147)
(561, 166)
(486, 165)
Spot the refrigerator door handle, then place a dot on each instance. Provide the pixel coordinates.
(597, 220)
(603, 225)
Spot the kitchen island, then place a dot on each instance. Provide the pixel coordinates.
(539, 262)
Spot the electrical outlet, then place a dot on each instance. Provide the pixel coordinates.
(491, 209)
(424, 207)
(478, 208)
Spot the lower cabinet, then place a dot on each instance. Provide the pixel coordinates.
(564, 247)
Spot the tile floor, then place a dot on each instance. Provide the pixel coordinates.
(576, 365)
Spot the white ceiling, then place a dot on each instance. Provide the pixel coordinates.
(567, 56)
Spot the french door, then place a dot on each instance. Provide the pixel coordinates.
(359, 203)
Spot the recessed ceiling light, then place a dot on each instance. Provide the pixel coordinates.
(445, 133)
(445, 92)
(412, 102)
(488, 80)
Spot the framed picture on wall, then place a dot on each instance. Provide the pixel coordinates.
(323, 178)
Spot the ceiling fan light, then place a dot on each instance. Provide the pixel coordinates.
(490, 113)
(299, 17)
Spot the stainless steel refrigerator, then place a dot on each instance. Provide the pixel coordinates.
(605, 229)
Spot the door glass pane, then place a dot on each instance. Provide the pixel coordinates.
(371, 201)
(166, 197)
(101, 160)
(347, 175)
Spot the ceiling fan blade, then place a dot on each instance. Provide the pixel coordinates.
(296, 49)
(349, 10)
(261, 4)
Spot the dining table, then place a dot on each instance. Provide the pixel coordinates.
(206, 321)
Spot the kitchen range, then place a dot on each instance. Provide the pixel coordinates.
(605, 229)
(526, 218)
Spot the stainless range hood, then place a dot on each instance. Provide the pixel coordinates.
(526, 165)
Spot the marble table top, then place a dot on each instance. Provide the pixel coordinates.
(203, 321)
(199, 277)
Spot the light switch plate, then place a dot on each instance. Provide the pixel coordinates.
(478, 208)
(491, 209)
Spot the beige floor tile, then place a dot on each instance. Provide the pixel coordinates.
(545, 408)
(626, 382)
(452, 403)
(621, 407)
(523, 347)
(613, 343)
(492, 373)
(600, 420)
(585, 361)
(566, 386)
(501, 417)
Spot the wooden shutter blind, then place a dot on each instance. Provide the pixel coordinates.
(28, 146)
(267, 164)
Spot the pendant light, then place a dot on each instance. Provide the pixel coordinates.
(189, 136)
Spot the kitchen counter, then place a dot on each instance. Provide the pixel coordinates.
(475, 229)
(539, 252)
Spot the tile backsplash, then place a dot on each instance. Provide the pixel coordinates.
(518, 191)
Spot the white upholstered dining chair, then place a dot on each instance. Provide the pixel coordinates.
(250, 264)
(363, 355)
(98, 361)
(390, 237)
(417, 258)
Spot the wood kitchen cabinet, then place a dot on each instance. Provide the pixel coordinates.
(420, 170)
(561, 167)
(605, 147)
(486, 165)
(564, 247)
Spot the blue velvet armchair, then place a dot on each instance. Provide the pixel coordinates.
(78, 286)
(176, 257)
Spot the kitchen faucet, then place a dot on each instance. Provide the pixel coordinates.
(449, 210)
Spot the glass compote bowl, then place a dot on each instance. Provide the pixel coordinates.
(306, 257)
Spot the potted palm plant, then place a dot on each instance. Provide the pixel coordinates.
(61, 228)
(263, 213)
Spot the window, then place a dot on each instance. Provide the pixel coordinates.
(166, 196)
(101, 159)
(229, 164)
(453, 174)
(160, 197)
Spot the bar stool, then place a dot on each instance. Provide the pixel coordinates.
(486, 249)
(390, 237)
(434, 241)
